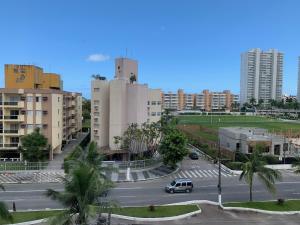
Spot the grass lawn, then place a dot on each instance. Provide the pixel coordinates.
(160, 211)
(289, 205)
(215, 122)
(28, 216)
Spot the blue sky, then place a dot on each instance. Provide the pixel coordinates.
(192, 44)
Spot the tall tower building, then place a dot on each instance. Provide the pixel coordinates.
(298, 89)
(261, 75)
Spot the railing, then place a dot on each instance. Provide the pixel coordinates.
(11, 117)
(10, 131)
(18, 166)
(11, 145)
(10, 103)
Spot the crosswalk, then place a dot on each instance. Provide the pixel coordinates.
(31, 177)
(200, 173)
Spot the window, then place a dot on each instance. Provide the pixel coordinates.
(158, 113)
(148, 102)
(58, 99)
(153, 103)
(58, 111)
(96, 114)
(189, 184)
(37, 99)
(29, 113)
(177, 185)
(29, 126)
(39, 126)
(158, 103)
(96, 89)
(96, 102)
(38, 113)
(276, 149)
(184, 184)
(58, 123)
(96, 108)
(153, 114)
(96, 120)
(29, 98)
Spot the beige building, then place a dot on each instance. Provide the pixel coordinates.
(120, 102)
(205, 101)
(57, 113)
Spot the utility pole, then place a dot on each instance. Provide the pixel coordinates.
(219, 181)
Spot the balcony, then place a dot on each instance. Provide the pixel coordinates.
(10, 131)
(13, 118)
(7, 104)
(11, 145)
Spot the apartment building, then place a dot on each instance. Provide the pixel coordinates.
(32, 100)
(205, 101)
(298, 87)
(261, 75)
(120, 102)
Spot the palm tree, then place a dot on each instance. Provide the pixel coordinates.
(252, 102)
(4, 213)
(255, 165)
(98, 77)
(82, 189)
(132, 78)
(296, 164)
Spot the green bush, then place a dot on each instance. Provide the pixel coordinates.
(234, 165)
(270, 159)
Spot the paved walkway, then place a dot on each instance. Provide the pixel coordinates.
(58, 159)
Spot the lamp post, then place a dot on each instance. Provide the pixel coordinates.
(219, 180)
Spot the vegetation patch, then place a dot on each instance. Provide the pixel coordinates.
(19, 217)
(289, 205)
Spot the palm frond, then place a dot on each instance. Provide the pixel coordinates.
(4, 213)
(63, 218)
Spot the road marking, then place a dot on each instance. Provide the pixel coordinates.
(184, 174)
(189, 175)
(211, 173)
(26, 191)
(120, 188)
(193, 174)
(198, 173)
(204, 174)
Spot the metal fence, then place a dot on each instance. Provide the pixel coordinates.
(137, 164)
(23, 166)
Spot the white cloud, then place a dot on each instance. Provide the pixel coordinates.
(97, 57)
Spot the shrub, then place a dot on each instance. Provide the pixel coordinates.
(280, 201)
(234, 165)
(151, 208)
(270, 159)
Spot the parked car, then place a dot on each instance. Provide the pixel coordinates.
(180, 185)
(194, 156)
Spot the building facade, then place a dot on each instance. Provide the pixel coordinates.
(204, 101)
(298, 87)
(245, 139)
(33, 104)
(120, 102)
(261, 75)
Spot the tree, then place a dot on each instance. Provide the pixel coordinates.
(132, 78)
(296, 165)
(82, 189)
(98, 77)
(84, 185)
(173, 147)
(4, 213)
(252, 102)
(255, 166)
(34, 146)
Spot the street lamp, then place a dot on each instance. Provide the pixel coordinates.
(219, 180)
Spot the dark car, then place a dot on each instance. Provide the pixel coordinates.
(194, 156)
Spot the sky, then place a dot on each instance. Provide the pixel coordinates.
(191, 44)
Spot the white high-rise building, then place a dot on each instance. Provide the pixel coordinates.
(120, 102)
(298, 89)
(261, 75)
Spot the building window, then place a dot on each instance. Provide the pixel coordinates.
(37, 99)
(96, 108)
(29, 98)
(158, 113)
(96, 120)
(153, 114)
(148, 102)
(96, 89)
(153, 103)
(29, 126)
(29, 112)
(158, 103)
(58, 111)
(96, 102)
(96, 114)
(58, 98)
(38, 113)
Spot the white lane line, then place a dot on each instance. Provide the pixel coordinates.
(208, 174)
(193, 174)
(216, 172)
(198, 173)
(225, 175)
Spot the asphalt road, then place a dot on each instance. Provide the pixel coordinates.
(31, 196)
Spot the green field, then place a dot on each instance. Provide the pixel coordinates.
(214, 122)
(290, 205)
